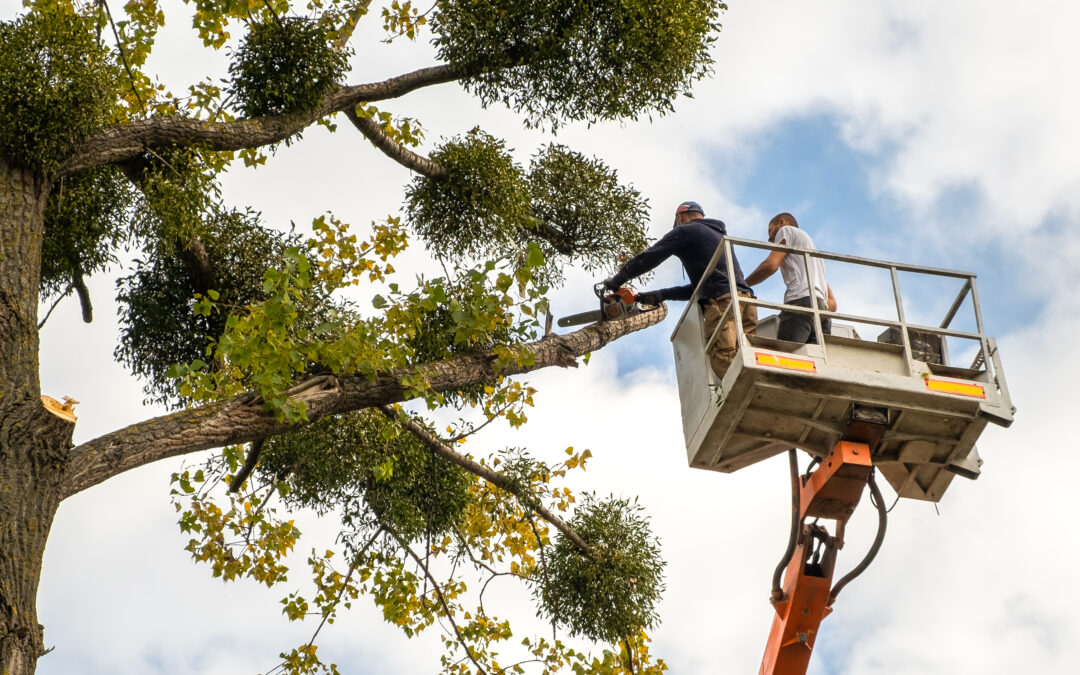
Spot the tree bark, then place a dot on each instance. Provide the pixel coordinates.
(34, 443)
(22, 222)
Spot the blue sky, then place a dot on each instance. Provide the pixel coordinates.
(941, 134)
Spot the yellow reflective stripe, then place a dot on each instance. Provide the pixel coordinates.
(959, 388)
(788, 362)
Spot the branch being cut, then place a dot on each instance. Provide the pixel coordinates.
(242, 419)
(494, 477)
(373, 131)
(122, 142)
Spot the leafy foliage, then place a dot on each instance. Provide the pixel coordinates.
(582, 212)
(613, 594)
(58, 86)
(285, 65)
(362, 465)
(578, 60)
(158, 327)
(84, 224)
(481, 206)
(179, 196)
(245, 539)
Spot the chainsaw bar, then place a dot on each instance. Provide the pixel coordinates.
(582, 318)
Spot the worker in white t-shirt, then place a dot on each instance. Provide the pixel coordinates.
(795, 327)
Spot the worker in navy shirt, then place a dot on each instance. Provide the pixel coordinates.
(693, 240)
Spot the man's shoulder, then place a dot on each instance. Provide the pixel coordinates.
(794, 237)
(705, 226)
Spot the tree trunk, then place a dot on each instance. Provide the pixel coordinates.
(34, 443)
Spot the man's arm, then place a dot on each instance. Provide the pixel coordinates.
(767, 267)
(831, 302)
(646, 261)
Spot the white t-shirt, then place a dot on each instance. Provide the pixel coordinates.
(793, 267)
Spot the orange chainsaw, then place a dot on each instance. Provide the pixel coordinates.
(613, 305)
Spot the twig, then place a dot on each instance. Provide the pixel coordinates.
(544, 570)
(344, 584)
(67, 292)
(490, 419)
(442, 599)
(277, 19)
(123, 56)
(349, 28)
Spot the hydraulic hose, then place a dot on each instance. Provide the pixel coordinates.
(796, 506)
(883, 516)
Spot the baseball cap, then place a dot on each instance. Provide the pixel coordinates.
(690, 206)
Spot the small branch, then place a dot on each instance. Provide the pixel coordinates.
(84, 297)
(249, 465)
(544, 570)
(442, 600)
(490, 418)
(123, 56)
(277, 19)
(374, 132)
(344, 584)
(629, 655)
(495, 478)
(349, 28)
(67, 291)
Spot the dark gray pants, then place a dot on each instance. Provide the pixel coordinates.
(800, 327)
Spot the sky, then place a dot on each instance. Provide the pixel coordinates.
(939, 134)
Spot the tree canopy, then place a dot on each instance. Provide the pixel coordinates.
(296, 352)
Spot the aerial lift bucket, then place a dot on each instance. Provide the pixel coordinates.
(893, 405)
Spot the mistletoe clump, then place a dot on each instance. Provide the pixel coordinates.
(610, 595)
(578, 60)
(571, 207)
(581, 211)
(58, 85)
(158, 327)
(480, 206)
(285, 65)
(85, 221)
(361, 464)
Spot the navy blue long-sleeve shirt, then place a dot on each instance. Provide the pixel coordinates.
(693, 243)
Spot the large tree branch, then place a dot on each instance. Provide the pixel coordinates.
(122, 142)
(374, 132)
(242, 418)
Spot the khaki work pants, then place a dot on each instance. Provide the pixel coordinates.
(722, 352)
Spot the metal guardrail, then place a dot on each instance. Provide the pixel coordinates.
(724, 250)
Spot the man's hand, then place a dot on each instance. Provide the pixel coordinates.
(611, 284)
(650, 298)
